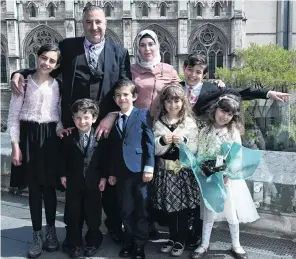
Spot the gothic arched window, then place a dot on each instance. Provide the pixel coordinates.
(36, 38)
(210, 44)
(3, 69)
(144, 10)
(199, 9)
(212, 62)
(163, 10)
(107, 10)
(217, 8)
(33, 11)
(51, 10)
(220, 59)
(165, 53)
(32, 61)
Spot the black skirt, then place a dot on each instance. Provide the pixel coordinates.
(39, 145)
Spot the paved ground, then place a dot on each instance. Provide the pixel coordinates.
(16, 236)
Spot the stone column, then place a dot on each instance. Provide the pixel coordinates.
(238, 28)
(70, 19)
(12, 35)
(182, 49)
(127, 7)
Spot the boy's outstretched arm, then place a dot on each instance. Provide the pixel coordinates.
(251, 93)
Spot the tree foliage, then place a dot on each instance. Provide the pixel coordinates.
(268, 66)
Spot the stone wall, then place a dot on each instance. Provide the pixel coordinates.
(273, 188)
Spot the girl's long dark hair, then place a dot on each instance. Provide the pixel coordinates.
(228, 103)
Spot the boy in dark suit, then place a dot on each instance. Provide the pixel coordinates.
(82, 174)
(195, 68)
(132, 148)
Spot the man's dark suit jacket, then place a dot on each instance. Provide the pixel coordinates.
(82, 168)
(134, 148)
(210, 92)
(116, 66)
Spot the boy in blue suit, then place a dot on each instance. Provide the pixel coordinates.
(131, 166)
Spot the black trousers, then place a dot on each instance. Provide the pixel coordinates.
(134, 199)
(196, 228)
(83, 205)
(111, 208)
(178, 226)
(36, 193)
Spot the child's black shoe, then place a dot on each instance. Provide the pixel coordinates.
(75, 252)
(126, 251)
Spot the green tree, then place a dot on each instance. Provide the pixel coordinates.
(271, 67)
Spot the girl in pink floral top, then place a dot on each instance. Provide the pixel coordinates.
(33, 120)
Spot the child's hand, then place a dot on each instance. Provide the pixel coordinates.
(67, 132)
(64, 181)
(168, 139)
(220, 83)
(147, 177)
(112, 180)
(225, 179)
(177, 139)
(16, 155)
(102, 184)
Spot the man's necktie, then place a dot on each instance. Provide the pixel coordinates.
(93, 59)
(85, 140)
(124, 121)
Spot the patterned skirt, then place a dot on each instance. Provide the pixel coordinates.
(173, 192)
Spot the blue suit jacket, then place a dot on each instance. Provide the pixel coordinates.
(134, 146)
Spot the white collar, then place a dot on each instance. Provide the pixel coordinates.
(81, 134)
(128, 113)
(198, 85)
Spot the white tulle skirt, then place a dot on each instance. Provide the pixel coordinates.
(239, 206)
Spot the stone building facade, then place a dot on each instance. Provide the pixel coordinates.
(214, 28)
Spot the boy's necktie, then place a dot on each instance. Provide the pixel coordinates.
(191, 97)
(124, 121)
(85, 140)
(93, 59)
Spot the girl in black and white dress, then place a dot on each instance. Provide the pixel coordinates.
(175, 189)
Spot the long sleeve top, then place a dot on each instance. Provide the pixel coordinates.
(37, 104)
